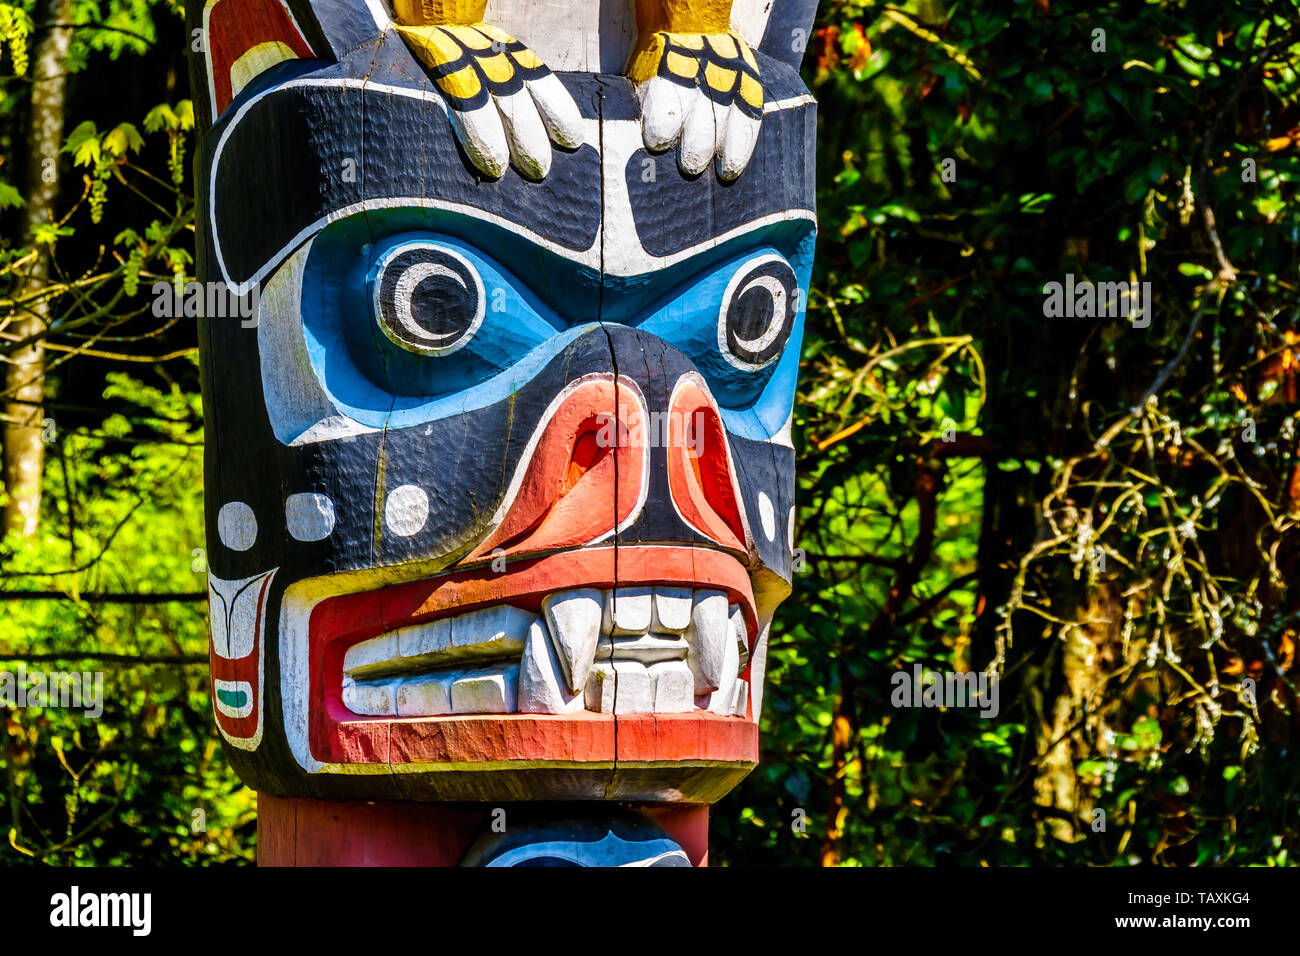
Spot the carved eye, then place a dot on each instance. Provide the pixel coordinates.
(428, 299)
(758, 312)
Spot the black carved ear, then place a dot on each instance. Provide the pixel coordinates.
(788, 29)
(342, 25)
(239, 40)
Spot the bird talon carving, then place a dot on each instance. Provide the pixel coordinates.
(505, 104)
(701, 91)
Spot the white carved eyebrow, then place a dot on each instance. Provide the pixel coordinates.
(590, 257)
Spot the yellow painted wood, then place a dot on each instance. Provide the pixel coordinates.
(438, 12)
(718, 78)
(683, 16)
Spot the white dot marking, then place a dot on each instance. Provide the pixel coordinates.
(309, 517)
(237, 526)
(406, 510)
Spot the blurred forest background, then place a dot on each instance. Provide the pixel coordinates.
(1103, 515)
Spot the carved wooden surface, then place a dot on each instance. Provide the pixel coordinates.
(500, 482)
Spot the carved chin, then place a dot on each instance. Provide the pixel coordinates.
(628, 650)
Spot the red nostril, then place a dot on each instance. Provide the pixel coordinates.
(588, 450)
(582, 478)
(699, 469)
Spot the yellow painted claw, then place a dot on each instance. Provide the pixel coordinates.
(701, 90)
(504, 103)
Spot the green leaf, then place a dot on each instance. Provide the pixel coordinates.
(122, 139)
(10, 197)
(83, 144)
(46, 233)
(159, 118)
(1194, 269)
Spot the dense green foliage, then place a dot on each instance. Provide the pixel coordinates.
(1102, 514)
(147, 782)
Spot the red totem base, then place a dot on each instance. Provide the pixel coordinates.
(300, 832)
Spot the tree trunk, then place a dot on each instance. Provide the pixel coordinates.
(24, 449)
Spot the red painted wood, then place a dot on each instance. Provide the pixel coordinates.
(235, 27)
(584, 737)
(688, 824)
(356, 617)
(700, 478)
(300, 832)
(588, 457)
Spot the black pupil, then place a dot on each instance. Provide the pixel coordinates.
(754, 308)
(439, 290)
(752, 313)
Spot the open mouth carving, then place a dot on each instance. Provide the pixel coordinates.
(626, 650)
(586, 637)
(503, 680)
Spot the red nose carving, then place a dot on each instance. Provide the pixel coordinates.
(583, 476)
(700, 477)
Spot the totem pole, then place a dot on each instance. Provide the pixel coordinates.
(500, 484)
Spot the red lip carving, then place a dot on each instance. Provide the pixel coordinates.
(337, 735)
(590, 455)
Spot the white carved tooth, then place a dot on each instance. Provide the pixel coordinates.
(673, 686)
(709, 634)
(497, 631)
(370, 698)
(361, 659)
(647, 648)
(723, 700)
(742, 637)
(425, 696)
(758, 666)
(599, 696)
(489, 690)
(607, 613)
(421, 640)
(741, 706)
(574, 620)
(632, 691)
(633, 610)
(542, 683)
(672, 610)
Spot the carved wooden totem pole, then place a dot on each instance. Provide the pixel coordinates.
(500, 482)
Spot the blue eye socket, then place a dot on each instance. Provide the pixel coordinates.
(415, 325)
(739, 318)
(428, 299)
(758, 312)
